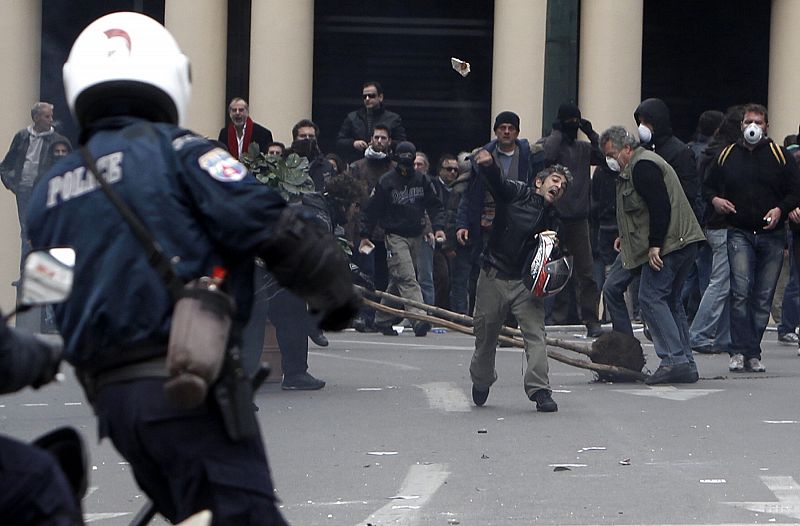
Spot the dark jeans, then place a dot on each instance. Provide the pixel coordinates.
(289, 315)
(463, 267)
(373, 265)
(662, 307)
(790, 308)
(441, 279)
(614, 288)
(574, 236)
(756, 260)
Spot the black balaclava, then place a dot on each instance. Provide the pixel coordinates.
(566, 112)
(404, 154)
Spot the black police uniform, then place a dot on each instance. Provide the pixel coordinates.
(33, 488)
(204, 210)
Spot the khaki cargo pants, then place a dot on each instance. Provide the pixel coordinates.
(494, 297)
(401, 257)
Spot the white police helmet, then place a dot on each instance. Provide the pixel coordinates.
(127, 64)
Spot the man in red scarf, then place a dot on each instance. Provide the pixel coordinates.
(242, 131)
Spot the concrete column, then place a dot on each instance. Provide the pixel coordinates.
(20, 38)
(282, 65)
(610, 72)
(784, 76)
(520, 28)
(200, 27)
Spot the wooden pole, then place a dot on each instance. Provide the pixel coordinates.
(508, 331)
(517, 343)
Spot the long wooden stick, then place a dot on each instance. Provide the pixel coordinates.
(517, 343)
(509, 331)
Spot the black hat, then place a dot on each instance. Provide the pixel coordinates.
(405, 150)
(568, 111)
(506, 117)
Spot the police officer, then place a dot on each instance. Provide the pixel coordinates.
(33, 488)
(127, 84)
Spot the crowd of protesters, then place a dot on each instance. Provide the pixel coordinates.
(419, 227)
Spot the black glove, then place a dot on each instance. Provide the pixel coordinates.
(586, 127)
(26, 359)
(306, 259)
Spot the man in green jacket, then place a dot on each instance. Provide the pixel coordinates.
(659, 233)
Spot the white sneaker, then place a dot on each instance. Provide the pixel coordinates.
(736, 363)
(755, 365)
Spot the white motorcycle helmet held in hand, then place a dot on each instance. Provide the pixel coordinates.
(550, 269)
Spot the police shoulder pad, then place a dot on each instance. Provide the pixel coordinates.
(220, 165)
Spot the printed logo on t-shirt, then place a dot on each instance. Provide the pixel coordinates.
(221, 166)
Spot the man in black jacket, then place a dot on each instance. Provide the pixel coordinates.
(563, 147)
(523, 210)
(356, 130)
(754, 184)
(399, 202)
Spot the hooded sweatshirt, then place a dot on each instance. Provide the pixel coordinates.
(671, 149)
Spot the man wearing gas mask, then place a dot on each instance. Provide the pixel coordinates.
(304, 144)
(754, 184)
(398, 203)
(659, 237)
(655, 134)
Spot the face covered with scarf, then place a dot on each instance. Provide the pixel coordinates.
(568, 121)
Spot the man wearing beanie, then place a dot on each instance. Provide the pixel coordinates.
(398, 203)
(563, 147)
(517, 161)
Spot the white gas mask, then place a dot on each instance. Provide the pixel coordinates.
(613, 164)
(753, 133)
(645, 135)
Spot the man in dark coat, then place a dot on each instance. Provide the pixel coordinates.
(242, 130)
(356, 130)
(563, 147)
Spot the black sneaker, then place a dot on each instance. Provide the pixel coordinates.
(385, 329)
(478, 396)
(422, 328)
(301, 382)
(319, 339)
(544, 401)
(682, 373)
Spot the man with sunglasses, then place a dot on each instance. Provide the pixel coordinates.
(356, 130)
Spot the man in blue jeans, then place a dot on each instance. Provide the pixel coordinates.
(754, 183)
(659, 234)
(710, 332)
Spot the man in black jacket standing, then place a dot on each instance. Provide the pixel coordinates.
(399, 202)
(522, 211)
(356, 130)
(754, 185)
(563, 147)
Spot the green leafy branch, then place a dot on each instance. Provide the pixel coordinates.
(289, 177)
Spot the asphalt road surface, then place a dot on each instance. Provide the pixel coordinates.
(394, 439)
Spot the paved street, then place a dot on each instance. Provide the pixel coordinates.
(395, 439)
